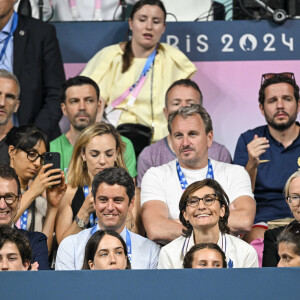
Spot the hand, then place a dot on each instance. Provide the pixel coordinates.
(35, 266)
(87, 207)
(55, 193)
(45, 179)
(255, 148)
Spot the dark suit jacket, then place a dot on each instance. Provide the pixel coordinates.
(37, 63)
(38, 242)
(270, 254)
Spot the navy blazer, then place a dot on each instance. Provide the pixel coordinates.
(38, 242)
(38, 65)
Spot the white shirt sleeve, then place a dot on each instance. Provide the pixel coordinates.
(238, 182)
(152, 186)
(65, 259)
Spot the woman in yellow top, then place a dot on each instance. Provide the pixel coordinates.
(134, 76)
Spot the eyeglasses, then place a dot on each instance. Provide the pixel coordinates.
(33, 155)
(208, 200)
(293, 200)
(9, 198)
(268, 76)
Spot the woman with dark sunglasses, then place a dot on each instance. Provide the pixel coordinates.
(292, 194)
(26, 147)
(204, 213)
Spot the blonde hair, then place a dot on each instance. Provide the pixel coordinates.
(288, 183)
(78, 173)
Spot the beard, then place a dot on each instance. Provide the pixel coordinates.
(80, 125)
(282, 125)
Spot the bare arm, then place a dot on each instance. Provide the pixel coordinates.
(255, 148)
(136, 214)
(42, 181)
(157, 224)
(54, 197)
(242, 213)
(65, 225)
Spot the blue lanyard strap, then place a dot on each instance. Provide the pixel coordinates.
(183, 182)
(23, 219)
(92, 219)
(12, 30)
(128, 241)
(128, 244)
(146, 68)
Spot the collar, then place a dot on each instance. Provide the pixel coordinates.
(269, 136)
(122, 234)
(7, 28)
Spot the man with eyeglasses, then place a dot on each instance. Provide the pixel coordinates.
(271, 153)
(191, 132)
(9, 104)
(10, 198)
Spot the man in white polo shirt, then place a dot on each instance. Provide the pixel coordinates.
(192, 134)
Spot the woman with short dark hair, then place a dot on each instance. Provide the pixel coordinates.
(27, 146)
(204, 212)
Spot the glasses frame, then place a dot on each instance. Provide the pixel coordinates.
(203, 199)
(41, 156)
(9, 194)
(268, 76)
(288, 198)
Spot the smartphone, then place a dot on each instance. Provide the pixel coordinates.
(52, 158)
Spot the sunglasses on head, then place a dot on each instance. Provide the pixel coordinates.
(268, 76)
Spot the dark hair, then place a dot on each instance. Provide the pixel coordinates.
(187, 83)
(26, 137)
(188, 111)
(128, 54)
(277, 79)
(222, 198)
(291, 235)
(78, 81)
(11, 235)
(9, 173)
(112, 176)
(93, 243)
(189, 257)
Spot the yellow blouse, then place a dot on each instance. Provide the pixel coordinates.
(170, 65)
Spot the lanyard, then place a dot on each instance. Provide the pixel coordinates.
(97, 14)
(136, 87)
(92, 220)
(23, 219)
(183, 182)
(12, 30)
(128, 241)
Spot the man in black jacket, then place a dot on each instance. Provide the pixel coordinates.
(32, 53)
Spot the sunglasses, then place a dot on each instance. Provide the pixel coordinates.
(268, 76)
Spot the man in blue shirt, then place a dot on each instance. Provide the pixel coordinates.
(113, 192)
(271, 153)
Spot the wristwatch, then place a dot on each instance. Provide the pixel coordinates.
(80, 223)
